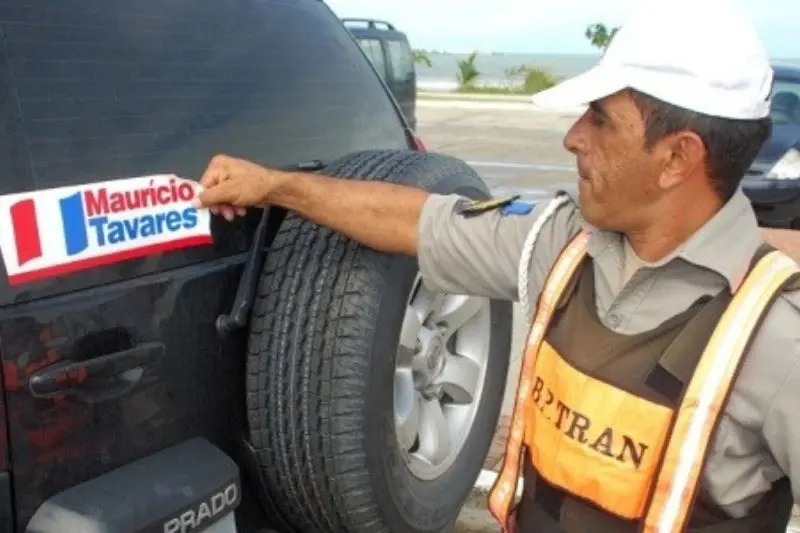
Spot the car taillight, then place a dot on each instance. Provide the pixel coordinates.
(419, 146)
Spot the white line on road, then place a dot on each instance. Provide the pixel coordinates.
(498, 105)
(487, 478)
(531, 166)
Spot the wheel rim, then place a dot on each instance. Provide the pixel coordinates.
(439, 376)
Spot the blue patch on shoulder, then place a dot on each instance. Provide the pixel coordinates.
(517, 208)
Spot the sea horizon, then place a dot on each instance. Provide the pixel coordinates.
(441, 76)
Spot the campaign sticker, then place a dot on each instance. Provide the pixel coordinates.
(57, 231)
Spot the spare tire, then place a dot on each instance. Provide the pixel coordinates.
(337, 327)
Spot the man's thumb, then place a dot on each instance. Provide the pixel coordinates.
(215, 195)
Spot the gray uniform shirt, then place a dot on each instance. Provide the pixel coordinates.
(757, 441)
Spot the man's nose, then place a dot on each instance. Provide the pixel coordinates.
(575, 140)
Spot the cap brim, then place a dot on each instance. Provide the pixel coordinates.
(594, 84)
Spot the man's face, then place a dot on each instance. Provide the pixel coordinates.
(618, 177)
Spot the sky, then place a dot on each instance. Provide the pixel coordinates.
(542, 26)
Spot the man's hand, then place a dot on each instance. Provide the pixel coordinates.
(232, 185)
(383, 216)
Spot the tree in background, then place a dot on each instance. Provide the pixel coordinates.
(599, 35)
(421, 57)
(467, 71)
(533, 79)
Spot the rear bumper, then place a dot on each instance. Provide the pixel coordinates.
(191, 487)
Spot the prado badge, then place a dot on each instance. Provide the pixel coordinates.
(51, 232)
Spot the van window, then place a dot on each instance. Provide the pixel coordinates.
(374, 50)
(402, 62)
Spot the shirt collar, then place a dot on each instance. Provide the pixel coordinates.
(725, 244)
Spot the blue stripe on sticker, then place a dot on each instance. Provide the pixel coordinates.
(73, 219)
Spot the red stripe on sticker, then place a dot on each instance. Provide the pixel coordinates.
(26, 231)
(104, 260)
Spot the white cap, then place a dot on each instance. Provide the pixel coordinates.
(701, 55)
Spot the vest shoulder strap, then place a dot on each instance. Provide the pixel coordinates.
(503, 490)
(763, 249)
(706, 394)
(678, 363)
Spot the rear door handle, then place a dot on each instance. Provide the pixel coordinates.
(99, 378)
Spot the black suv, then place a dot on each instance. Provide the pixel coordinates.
(282, 376)
(388, 50)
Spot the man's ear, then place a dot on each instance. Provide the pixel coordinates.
(684, 155)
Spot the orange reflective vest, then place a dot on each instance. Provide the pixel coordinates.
(646, 462)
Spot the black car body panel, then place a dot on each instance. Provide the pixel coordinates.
(92, 90)
(777, 201)
(785, 113)
(784, 137)
(762, 189)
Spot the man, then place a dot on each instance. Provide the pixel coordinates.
(655, 396)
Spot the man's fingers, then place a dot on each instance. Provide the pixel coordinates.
(228, 212)
(213, 175)
(221, 193)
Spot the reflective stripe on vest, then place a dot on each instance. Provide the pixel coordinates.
(707, 393)
(662, 495)
(505, 486)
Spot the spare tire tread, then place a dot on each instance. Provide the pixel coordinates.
(311, 325)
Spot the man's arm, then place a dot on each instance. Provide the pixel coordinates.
(481, 255)
(383, 216)
(477, 255)
(781, 428)
(757, 440)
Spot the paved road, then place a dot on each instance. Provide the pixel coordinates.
(512, 146)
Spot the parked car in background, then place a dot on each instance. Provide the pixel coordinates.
(773, 181)
(390, 53)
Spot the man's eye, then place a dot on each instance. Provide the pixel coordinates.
(596, 118)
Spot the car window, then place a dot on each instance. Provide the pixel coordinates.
(785, 105)
(374, 51)
(402, 62)
(151, 88)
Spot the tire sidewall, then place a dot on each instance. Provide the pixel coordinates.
(426, 505)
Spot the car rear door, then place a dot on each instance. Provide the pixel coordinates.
(92, 90)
